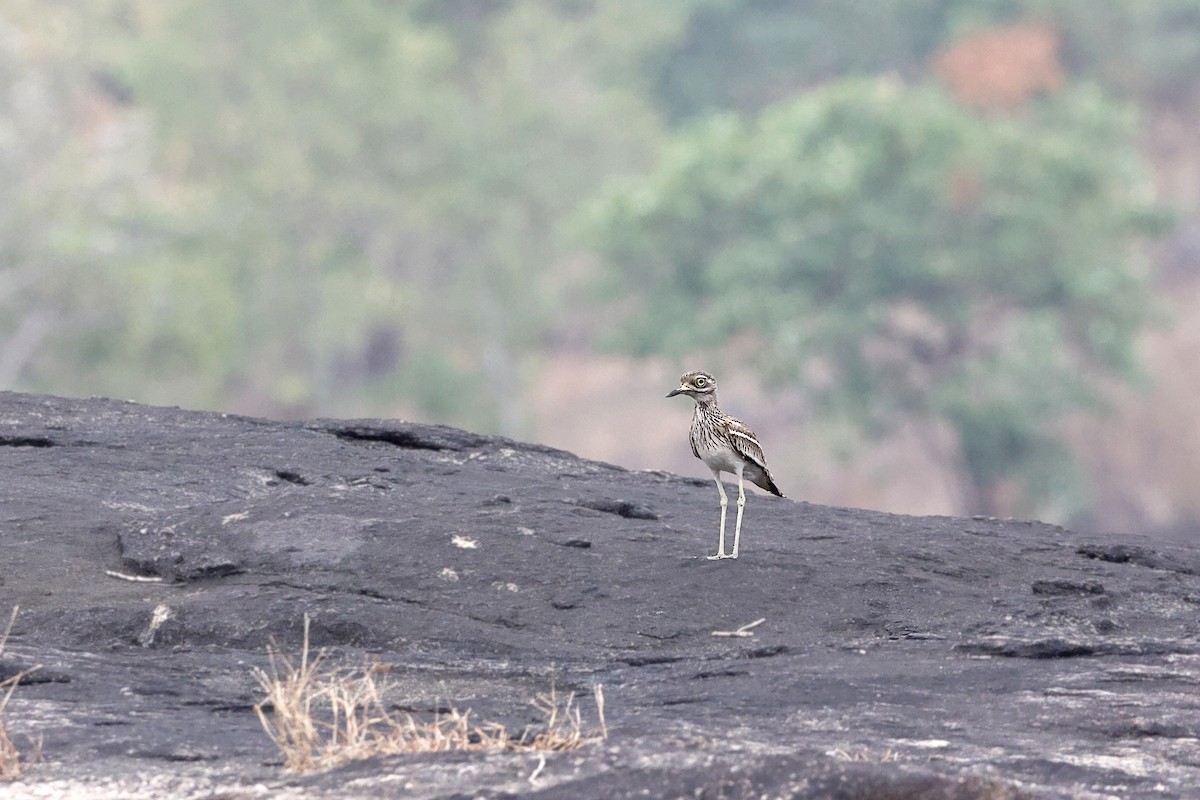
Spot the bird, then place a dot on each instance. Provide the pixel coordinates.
(724, 444)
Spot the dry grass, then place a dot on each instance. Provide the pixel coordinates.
(863, 755)
(11, 763)
(321, 716)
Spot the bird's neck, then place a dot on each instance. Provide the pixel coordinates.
(707, 404)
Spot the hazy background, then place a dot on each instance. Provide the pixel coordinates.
(943, 255)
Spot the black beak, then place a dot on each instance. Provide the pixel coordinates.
(680, 390)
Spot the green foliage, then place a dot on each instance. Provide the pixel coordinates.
(899, 256)
(384, 168)
(1149, 50)
(747, 54)
(72, 221)
(329, 178)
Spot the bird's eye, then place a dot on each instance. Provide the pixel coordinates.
(701, 382)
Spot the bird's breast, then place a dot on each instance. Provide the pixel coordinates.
(714, 450)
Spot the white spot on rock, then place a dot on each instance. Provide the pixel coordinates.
(162, 612)
(929, 744)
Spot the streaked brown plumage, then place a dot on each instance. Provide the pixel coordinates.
(724, 444)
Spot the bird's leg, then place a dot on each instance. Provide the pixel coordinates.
(737, 528)
(724, 505)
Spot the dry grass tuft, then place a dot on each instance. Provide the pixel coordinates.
(11, 764)
(321, 716)
(10, 757)
(863, 755)
(563, 727)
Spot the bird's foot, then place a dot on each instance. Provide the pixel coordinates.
(719, 556)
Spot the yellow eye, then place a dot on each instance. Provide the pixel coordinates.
(701, 382)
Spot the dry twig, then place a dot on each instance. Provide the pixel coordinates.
(745, 630)
(124, 576)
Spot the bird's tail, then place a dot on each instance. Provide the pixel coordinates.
(764, 481)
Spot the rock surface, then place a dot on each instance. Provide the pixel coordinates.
(899, 657)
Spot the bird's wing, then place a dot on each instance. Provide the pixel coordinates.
(744, 442)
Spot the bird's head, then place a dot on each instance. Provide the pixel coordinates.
(698, 385)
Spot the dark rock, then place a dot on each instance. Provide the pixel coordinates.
(1038, 648)
(1062, 587)
(621, 508)
(157, 553)
(1135, 554)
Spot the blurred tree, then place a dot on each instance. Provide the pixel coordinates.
(336, 208)
(378, 184)
(746, 54)
(297, 137)
(901, 258)
(74, 186)
(1148, 51)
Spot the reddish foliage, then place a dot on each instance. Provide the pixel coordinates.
(998, 69)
